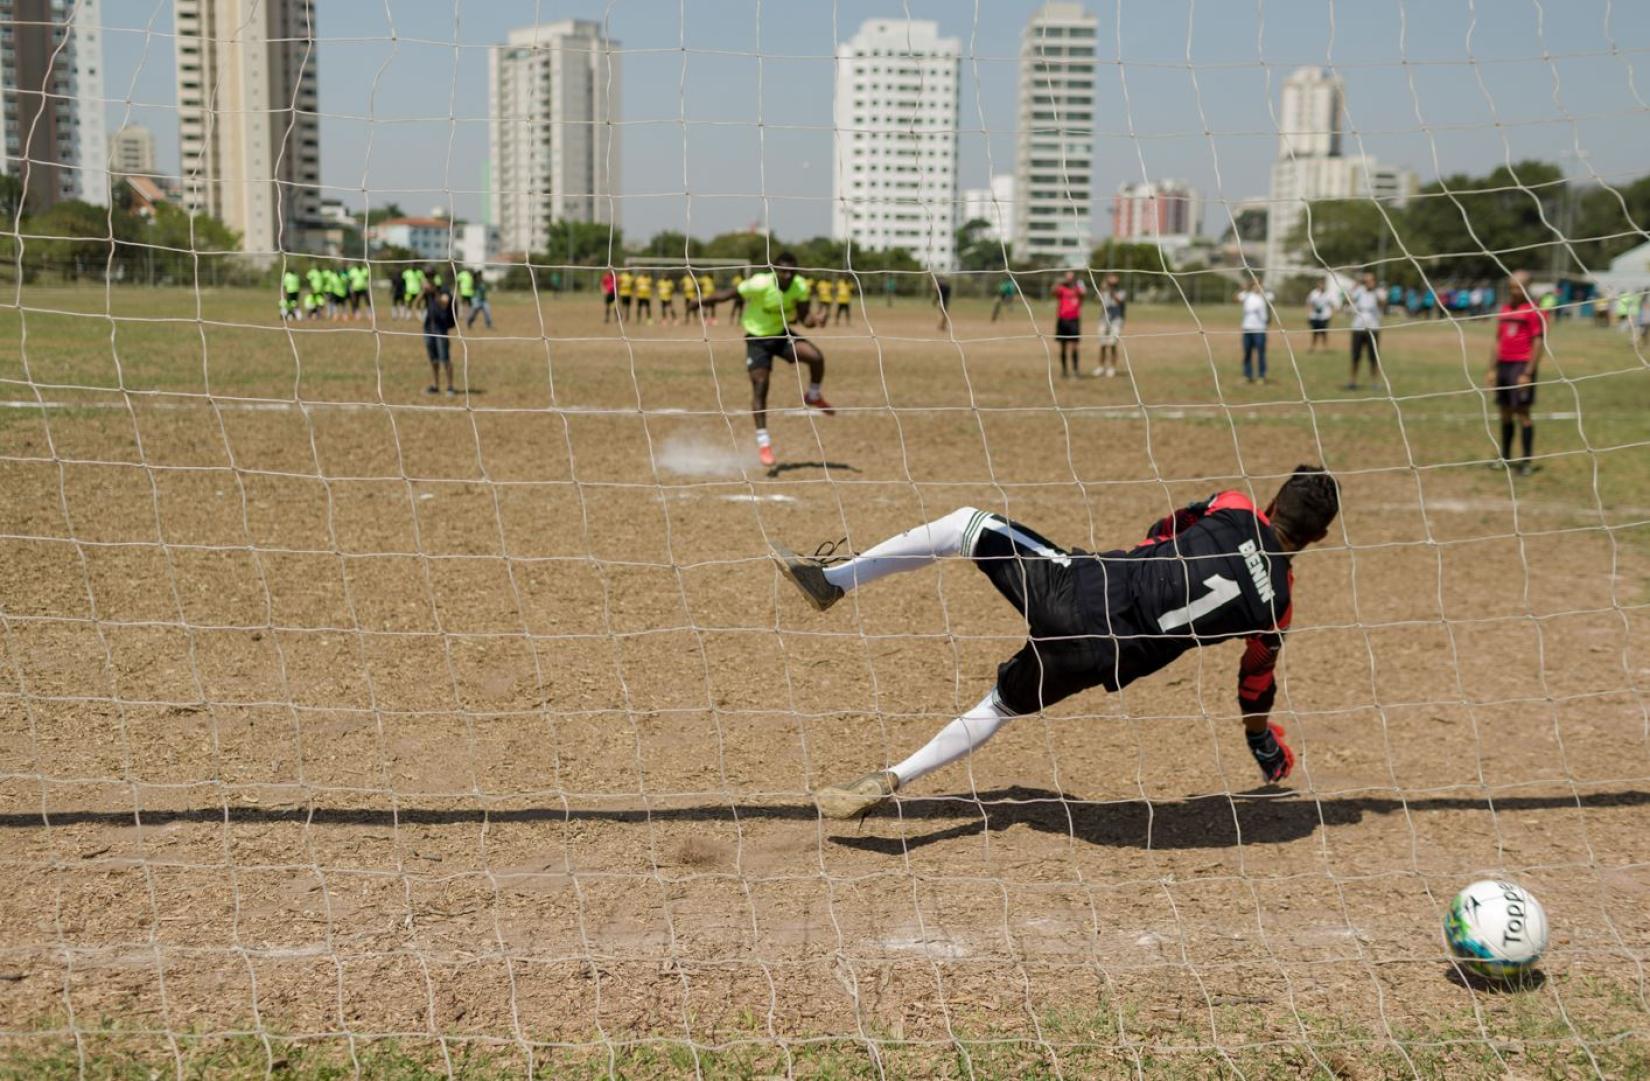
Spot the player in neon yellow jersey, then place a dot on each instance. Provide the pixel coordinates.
(776, 306)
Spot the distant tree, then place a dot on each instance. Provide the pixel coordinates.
(1469, 227)
(755, 248)
(182, 247)
(1609, 221)
(383, 213)
(77, 239)
(1344, 234)
(11, 197)
(977, 249)
(670, 244)
(1248, 225)
(583, 243)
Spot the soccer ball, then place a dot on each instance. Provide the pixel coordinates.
(1496, 929)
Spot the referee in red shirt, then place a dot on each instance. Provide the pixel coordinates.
(1519, 328)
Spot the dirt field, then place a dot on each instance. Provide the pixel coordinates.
(342, 725)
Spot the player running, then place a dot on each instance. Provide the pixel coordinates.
(1207, 573)
(775, 303)
(1519, 329)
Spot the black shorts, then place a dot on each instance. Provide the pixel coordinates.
(1508, 393)
(1366, 341)
(759, 352)
(1318, 324)
(1068, 330)
(608, 298)
(439, 347)
(1040, 579)
(355, 298)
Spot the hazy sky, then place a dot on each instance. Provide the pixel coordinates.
(726, 104)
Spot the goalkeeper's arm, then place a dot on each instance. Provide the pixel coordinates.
(1257, 690)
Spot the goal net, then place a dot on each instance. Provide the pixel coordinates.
(395, 676)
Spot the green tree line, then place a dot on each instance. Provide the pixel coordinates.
(1469, 228)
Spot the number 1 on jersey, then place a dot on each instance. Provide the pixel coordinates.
(1221, 590)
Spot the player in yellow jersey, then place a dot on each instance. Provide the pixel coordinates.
(643, 286)
(738, 298)
(844, 299)
(707, 286)
(667, 300)
(824, 290)
(627, 289)
(776, 307)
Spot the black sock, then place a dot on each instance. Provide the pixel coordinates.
(1506, 439)
(1529, 440)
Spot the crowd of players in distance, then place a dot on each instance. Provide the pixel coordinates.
(771, 306)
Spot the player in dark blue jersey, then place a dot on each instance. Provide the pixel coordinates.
(1210, 572)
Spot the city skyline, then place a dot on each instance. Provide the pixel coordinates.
(404, 118)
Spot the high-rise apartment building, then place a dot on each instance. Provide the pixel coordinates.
(1312, 167)
(1312, 114)
(897, 99)
(51, 100)
(248, 128)
(1054, 163)
(132, 151)
(553, 95)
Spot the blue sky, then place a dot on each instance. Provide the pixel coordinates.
(1187, 89)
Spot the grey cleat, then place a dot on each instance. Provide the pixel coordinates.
(808, 575)
(857, 797)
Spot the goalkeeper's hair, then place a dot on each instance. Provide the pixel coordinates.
(785, 258)
(1306, 504)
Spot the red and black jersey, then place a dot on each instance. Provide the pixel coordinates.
(1206, 573)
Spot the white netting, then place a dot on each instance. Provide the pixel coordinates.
(348, 727)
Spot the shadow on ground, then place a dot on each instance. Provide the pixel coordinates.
(1201, 822)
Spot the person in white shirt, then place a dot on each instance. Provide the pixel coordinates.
(1256, 314)
(1367, 306)
(1113, 305)
(1320, 308)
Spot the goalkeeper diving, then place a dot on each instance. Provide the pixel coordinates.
(1209, 572)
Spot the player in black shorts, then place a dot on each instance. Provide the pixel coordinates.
(1207, 573)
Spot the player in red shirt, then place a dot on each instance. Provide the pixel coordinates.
(609, 291)
(1211, 572)
(1519, 330)
(1068, 321)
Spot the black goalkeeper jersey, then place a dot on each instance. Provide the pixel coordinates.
(1209, 572)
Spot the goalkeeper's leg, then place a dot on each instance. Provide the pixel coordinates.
(915, 548)
(956, 740)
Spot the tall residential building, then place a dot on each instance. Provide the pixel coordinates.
(132, 151)
(1054, 164)
(553, 96)
(1158, 211)
(994, 205)
(51, 100)
(248, 130)
(1312, 114)
(897, 98)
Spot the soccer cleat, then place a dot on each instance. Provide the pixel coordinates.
(817, 401)
(432, 391)
(857, 797)
(764, 454)
(808, 575)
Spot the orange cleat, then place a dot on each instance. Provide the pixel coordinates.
(817, 401)
(765, 455)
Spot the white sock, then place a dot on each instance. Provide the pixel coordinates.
(813, 390)
(762, 439)
(956, 739)
(906, 552)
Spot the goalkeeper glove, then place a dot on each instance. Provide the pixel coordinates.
(1273, 755)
